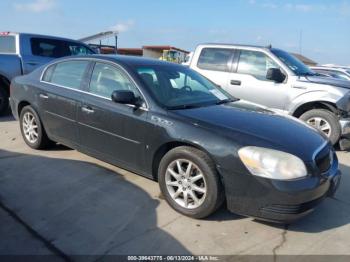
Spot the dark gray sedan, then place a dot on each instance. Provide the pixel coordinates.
(168, 123)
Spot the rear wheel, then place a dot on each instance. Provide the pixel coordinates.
(325, 121)
(189, 182)
(4, 100)
(32, 130)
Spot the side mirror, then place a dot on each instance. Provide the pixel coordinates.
(124, 97)
(276, 75)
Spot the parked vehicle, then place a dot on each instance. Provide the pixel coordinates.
(168, 123)
(276, 79)
(339, 73)
(21, 53)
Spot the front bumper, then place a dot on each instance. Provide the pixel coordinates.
(278, 201)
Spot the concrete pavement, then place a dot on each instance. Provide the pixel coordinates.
(78, 205)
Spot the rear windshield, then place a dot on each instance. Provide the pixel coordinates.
(7, 44)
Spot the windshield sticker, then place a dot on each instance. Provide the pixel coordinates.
(218, 94)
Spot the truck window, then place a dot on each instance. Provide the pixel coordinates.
(7, 44)
(57, 48)
(67, 74)
(255, 63)
(77, 49)
(217, 59)
(48, 48)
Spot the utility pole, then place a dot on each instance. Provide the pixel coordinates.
(300, 41)
(116, 43)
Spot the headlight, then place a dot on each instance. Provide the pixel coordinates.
(271, 163)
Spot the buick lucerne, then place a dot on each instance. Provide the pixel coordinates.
(167, 122)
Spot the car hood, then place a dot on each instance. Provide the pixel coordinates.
(326, 81)
(248, 124)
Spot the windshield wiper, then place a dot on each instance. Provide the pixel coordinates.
(308, 74)
(183, 107)
(225, 101)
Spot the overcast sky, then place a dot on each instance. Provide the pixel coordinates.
(322, 26)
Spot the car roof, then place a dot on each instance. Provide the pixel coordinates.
(125, 59)
(233, 45)
(45, 36)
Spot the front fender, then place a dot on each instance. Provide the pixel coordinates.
(319, 96)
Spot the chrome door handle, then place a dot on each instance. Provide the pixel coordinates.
(88, 110)
(44, 96)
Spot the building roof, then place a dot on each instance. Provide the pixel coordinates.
(304, 59)
(164, 47)
(130, 51)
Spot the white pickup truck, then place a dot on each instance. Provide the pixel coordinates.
(273, 78)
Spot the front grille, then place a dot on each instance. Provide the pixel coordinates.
(324, 159)
(292, 209)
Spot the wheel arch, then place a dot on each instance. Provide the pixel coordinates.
(315, 105)
(165, 148)
(21, 105)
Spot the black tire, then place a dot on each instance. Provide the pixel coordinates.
(214, 196)
(42, 140)
(4, 101)
(328, 116)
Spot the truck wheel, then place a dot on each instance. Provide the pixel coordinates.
(4, 101)
(325, 121)
(189, 182)
(32, 130)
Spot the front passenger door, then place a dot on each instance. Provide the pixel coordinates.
(115, 132)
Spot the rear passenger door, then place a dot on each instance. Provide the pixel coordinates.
(114, 132)
(215, 64)
(249, 81)
(59, 99)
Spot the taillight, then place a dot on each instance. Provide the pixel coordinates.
(4, 33)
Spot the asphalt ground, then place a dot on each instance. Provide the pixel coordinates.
(65, 205)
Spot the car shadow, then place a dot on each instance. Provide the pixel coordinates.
(82, 208)
(59, 147)
(6, 117)
(223, 214)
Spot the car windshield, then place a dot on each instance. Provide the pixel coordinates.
(294, 64)
(178, 87)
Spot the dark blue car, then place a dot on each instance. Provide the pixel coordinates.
(168, 123)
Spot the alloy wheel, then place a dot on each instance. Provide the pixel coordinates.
(321, 124)
(30, 127)
(186, 183)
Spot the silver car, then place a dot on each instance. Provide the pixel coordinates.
(273, 78)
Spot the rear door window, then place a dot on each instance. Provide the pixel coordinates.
(67, 74)
(8, 44)
(217, 59)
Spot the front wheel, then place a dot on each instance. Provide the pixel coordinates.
(325, 121)
(189, 182)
